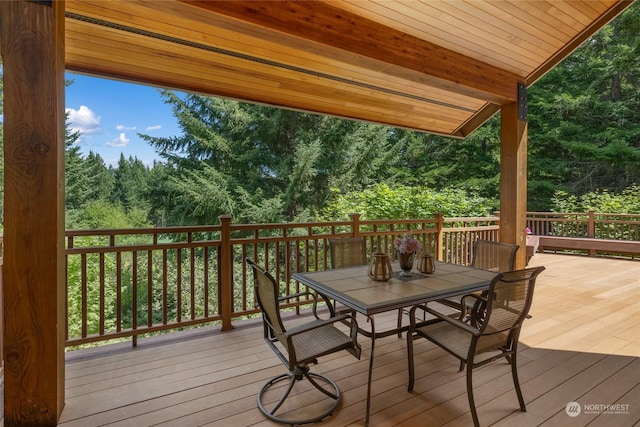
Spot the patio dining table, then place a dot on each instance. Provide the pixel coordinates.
(353, 288)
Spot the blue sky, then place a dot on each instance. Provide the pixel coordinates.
(110, 114)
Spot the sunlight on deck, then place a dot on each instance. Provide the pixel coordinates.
(586, 304)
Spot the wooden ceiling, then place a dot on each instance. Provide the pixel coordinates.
(438, 66)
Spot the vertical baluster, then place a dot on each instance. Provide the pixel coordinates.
(83, 292)
(134, 297)
(118, 291)
(179, 285)
(193, 280)
(165, 290)
(150, 284)
(205, 268)
(102, 293)
(243, 249)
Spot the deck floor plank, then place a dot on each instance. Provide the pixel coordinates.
(582, 344)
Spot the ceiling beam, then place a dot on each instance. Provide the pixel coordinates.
(373, 45)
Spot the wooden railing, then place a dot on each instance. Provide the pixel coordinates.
(124, 283)
(586, 224)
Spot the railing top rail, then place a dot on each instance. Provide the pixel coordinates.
(562, 214)
(310, 226)
(149, 230)
(399, 221)
(472, 219)
(267, 226)
(557, 214)
(608, 215)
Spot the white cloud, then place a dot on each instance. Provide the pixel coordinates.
(83, 120)
(123, 127)
(154, 127)
(120, 141)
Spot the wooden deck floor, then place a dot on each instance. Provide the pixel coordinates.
(582, 344)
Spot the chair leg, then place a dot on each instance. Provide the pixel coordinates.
(472, 404)
(410, 361)
(399, 323)
(516, 382)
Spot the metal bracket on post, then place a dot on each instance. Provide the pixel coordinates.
(522, 102)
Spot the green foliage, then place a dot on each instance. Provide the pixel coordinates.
(104, 214)
(627, 201)
(131, 184)
(401, 202)
(472, 164)
(584, 114)
(263, 164)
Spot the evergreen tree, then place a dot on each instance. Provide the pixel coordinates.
(584, 127)
(101, 178)
(76, 180)
(263, 164)
(130, 184)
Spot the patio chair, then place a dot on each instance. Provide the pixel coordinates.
(488, 255)
(348, 252)
(351, 252)
(297, 348)
(490, 333)
(494, 256)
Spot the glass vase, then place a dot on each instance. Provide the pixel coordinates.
(405, 259)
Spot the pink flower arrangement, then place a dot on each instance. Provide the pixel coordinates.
(528, 231)
(407, 244)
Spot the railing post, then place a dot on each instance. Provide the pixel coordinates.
(591, 227)
(225, 273)
(591, 230)
(355, 224)
(439, 236)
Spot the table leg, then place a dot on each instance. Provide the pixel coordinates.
(373, 343)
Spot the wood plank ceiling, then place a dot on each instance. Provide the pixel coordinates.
(438, 66)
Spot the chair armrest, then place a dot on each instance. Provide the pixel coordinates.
(464, 306)
(319, 323)
(314, 300)
(314, 296)
(442, 317)
(296, 295)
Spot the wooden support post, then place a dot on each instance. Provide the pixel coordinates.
(32, 44)
(513, 178)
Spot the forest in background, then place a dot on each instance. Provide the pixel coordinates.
(262, 164)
